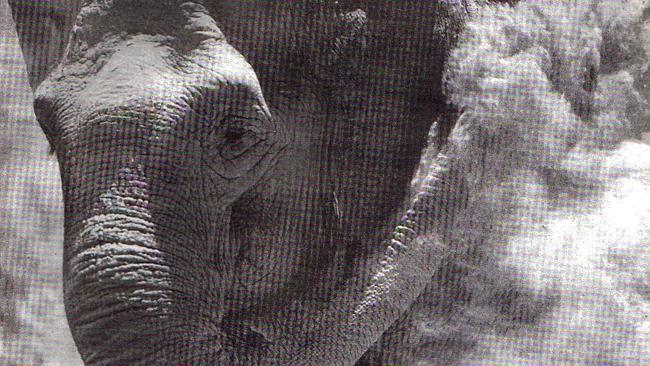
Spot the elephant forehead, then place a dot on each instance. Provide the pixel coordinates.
(146, 67)
(138, 67)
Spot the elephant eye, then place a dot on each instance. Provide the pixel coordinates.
(235, 136)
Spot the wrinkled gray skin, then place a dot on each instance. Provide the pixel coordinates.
(231, 173)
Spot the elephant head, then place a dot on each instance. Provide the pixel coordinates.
(230, 170)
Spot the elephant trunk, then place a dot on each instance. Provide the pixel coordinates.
(130, 281)
(132, 275)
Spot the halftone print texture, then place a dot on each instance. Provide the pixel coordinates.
(448, 182)
(553, 97)
(33, 328)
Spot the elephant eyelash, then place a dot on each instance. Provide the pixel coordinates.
(235, 122)
(235, 135)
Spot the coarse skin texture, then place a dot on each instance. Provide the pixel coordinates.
(548, 260)
(229, 191)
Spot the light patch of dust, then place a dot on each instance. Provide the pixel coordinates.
(553, 145)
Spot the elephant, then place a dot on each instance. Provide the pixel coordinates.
(233, 175)
(236, 182)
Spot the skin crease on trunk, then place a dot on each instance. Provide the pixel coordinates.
(228, 186)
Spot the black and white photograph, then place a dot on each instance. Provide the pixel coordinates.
(325, 182)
